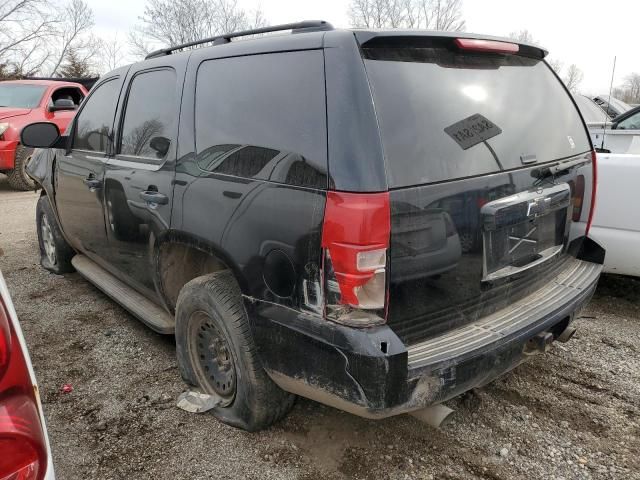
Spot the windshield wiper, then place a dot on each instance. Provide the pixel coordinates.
(556, 168)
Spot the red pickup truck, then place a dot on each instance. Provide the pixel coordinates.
(26, 101)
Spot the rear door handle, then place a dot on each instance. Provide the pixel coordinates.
(92, 182)
(150, 196)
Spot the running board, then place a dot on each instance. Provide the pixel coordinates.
(152, 315)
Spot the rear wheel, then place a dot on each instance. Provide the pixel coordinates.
(18, 178)
(55, 252)
(216, 353)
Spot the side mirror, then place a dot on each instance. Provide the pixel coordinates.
(160, 145)
(40, 135)
(62, 104)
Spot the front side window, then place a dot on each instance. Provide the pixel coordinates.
(94, 122)
(150, 115)
(631, 123)
(69, 93)
(16, 95)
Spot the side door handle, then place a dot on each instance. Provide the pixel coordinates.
(151, 196)
(92, 182)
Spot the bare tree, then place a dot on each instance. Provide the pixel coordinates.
(25, 26)
(573, 78)
(111, 53)
(173, 22)
(74, 22)
(631, 88)
(426, 14)
(556, 65)
(523, 36)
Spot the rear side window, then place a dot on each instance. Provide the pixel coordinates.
(150, 115)
(257, 115)
(446, 115)
(96, 118)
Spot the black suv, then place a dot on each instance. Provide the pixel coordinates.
(378, 221)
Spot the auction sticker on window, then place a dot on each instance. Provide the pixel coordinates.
(472, 130)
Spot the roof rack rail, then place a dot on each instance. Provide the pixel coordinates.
(298, 27)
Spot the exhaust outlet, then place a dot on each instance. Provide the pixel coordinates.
(434, 416)
(567, 334)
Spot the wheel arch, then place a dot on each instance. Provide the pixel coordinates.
(179, 257)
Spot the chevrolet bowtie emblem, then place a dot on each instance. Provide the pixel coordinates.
(539, 206)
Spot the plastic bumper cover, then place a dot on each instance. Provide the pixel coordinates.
(371, 373)
(7, 154)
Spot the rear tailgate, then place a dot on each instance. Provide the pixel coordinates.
(481, 216)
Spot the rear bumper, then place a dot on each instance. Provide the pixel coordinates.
(371, 373)
(7, 154)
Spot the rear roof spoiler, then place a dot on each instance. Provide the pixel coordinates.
(87, 83)
(373, 37)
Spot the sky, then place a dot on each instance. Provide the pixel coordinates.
(588, 33)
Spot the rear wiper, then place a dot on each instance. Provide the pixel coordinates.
(557, 168)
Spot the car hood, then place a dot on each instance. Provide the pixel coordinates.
(7, 112)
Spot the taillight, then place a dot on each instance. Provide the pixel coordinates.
(23, 453)
(593, 190)
(486, 46)
(355, 240)
(578, 198)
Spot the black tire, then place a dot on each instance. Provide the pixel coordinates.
(58, 258)
(215, 299)
(18, 178)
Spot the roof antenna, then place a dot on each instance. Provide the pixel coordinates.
(606, 117)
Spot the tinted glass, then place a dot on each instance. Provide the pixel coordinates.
(444, 115)
(96, 118)
(150, 115)
(253, 113)
(20, 96)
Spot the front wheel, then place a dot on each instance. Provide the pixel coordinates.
(18, 178)
(216, 353)
(55, 252)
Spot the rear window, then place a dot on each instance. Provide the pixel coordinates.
(446, 115)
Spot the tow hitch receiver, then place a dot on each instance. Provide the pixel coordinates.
(538, 344)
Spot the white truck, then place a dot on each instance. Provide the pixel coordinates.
(616, 220)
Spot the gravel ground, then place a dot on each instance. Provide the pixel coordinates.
(573, 413)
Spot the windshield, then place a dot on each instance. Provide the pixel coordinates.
(446, 115)
(591, 112)
(20, 96)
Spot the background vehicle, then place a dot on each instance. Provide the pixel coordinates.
(616, 220)
(594, 116)
(621, 136)
(301, 233)
(613, 106)
(26, 101)
(23, 435)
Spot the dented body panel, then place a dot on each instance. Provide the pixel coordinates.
(245, 189)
